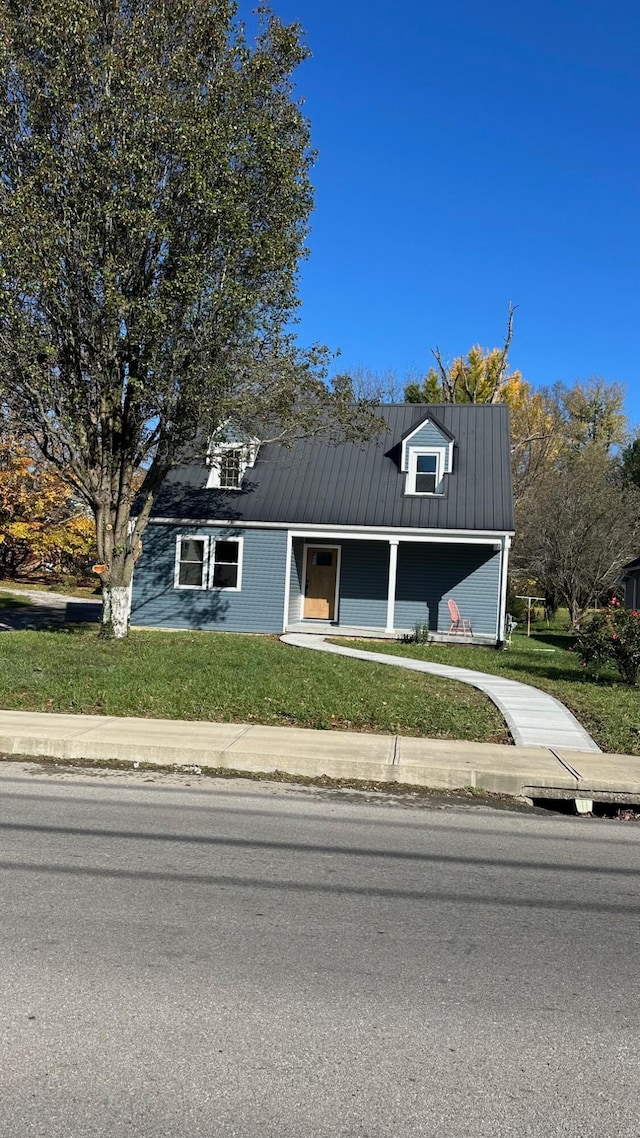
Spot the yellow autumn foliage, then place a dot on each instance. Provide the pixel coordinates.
(40, 523)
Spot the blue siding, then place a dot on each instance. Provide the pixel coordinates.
(257, 607)
(429, 574)
(364, 573)
(295, 580)
(428, 436)
(362, 589)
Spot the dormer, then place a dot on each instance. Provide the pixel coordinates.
(231, 452)
(426, 458)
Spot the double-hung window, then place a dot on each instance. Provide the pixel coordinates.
(191, 563)
(232, 462)
(425, 473)
(208, 563)
(225, 564)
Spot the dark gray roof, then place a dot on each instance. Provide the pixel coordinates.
(361, 484)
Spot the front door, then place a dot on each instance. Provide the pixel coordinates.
(320, 583)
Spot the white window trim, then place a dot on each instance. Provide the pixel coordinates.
(209, 563)
(212, 563)
(408, 446)
(320, 545)
(247, 460)
(410, 485)
(205, 566)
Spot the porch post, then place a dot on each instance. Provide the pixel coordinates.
(502, 605)
(391, 592)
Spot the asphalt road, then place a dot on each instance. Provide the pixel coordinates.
(221, 959)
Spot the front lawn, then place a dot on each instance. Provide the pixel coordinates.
(232, 678)
(608, 709)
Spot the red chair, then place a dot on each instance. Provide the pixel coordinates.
(458, 623)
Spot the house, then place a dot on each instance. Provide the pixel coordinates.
(630, 580)
(370, 537)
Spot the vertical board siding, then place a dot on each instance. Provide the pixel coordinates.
(430, 574)
(257, 607)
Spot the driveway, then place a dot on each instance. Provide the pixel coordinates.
(47, 610)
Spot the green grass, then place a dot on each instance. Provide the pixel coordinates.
(232, 678)
(12, 601)
(608, 709)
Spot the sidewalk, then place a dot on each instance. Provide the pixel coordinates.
(533, 772)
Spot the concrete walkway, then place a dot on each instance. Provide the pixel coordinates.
(534, 718)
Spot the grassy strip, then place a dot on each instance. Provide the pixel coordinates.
(232, 678)
(609, 710)
(66, 588)
(11, 601)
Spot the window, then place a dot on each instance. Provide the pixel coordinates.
(228, 463)
(191, 562)
(231, 468)
(225, 564)
(425, 473)
(208, 563)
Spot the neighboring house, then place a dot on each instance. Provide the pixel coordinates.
(373, 536)
(630, 579)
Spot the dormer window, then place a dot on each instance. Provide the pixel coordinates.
(426, 458)
(231, 468)
(228, 463)
(425, 473)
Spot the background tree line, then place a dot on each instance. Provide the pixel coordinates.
(575, 469)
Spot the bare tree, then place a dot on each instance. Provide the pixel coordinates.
(578, 530)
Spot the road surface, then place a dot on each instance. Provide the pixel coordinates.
(182, 958)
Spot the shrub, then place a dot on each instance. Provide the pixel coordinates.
(612, 636)
(420, 634)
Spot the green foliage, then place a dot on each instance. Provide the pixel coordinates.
(429, 391)
(421, 633)
(154, 206)
(612, 636)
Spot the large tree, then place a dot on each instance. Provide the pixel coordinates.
(154, 199)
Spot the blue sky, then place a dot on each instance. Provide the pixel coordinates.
(471, 154)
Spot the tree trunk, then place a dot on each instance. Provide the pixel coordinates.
(116, 601)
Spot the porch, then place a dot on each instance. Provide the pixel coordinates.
(333, 628)
(383, 587)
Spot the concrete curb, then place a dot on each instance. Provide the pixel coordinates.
(437, 763)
